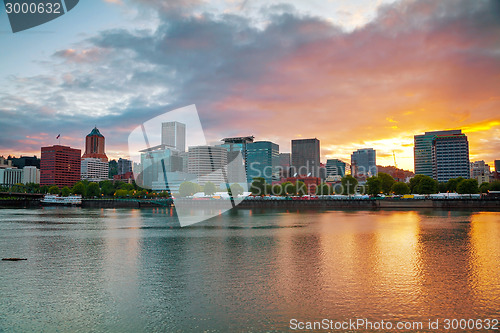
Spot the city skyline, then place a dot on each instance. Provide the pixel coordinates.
(302, 69)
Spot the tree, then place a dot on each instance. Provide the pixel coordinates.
(323, 189)
(79, 188)
(107, 187)
(236, 190)
(121, 193)
(484, 188)
(127, 186)
(93, 190)
(374, 185)
(414, 182)
(400, 188)
(65, 191)
(301, 188)
(188, 189)
(442, 187)
(258, 186)
(495, 186)
(54, 190)
(44, 189)
(468, 186)
(349, 184)
(427, 185)
(277, 189)
(386, 182)
(288, 188)
(209, 188)
(452, 184)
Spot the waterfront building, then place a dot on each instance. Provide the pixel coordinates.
(263, 161)
(335, 167)
(173, 135)
(11, 176)
(480, 171)
(441, 154)
(31, 175)
(305, 157)
(156, 161)
(208, 163)
(236, 157)
(21, 162)
(124, 166)
(94, 170)
(5, 163)
(95, 146)
(450, 156)
(60, 165)
(364, 163)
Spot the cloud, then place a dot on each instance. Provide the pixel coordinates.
(418, 66)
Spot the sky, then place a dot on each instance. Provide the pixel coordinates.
(354, 74)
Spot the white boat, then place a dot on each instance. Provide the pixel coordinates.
(54, 199)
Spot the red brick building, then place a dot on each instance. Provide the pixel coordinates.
(60, 165)
(94, 146)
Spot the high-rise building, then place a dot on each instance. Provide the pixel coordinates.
(364, 163)
(173, 134)
(335, 167)
(94, 170)
(208, 163)
(422, 151)
(155, 162)
(95, 146)
(60, 165)
(305, 157)
(11, 177)
(21, 162)
(124, 166)
(480, 171)
(497, 165)
(5, 163)
(285, 162)
(31, 175)
(450, 156)
(263, 161)
(236, 157)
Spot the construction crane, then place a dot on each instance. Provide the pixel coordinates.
(394, 154)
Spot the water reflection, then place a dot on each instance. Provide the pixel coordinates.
(246, 270)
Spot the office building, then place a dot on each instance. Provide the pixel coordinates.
(9, 177)
(173, 135)
(31, 175)
(285, 162)
(124, 166)
(156, 161)
(450, 156)
(94, 170)
(60, 165)
(263, 161)
(335, 167)
(364, 163)
(305, 157)
(208, 163)
(497, 165)
(21, 162)
(480, 171)
(5, 163)
(95, 146)
(236, 157)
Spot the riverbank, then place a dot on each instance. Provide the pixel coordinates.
(451, 204)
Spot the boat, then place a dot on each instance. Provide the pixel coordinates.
(54, 199)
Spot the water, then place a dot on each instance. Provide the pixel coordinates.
(126, 270)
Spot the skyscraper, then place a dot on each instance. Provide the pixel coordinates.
(305, 157)
(236, 155)
(93, 169)
(60, 165)
(263, 161)
(94, 146)
(450, 156)
(364, 162)
(335, 167)
(208, 162)
(173, 134)
(285, 162)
